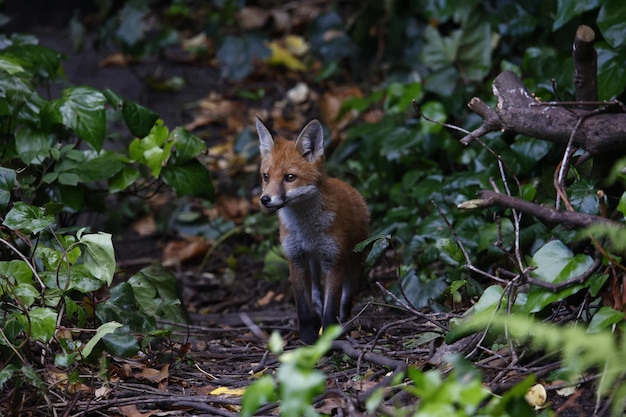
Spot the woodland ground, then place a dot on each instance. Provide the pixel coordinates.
(232, 309)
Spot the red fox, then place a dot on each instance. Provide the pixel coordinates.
(321, 219)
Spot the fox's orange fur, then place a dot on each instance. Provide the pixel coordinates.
(321, 219)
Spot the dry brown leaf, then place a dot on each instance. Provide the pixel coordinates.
(155, 375)
(102, 392)
(203, 390)
(330, 106)
(232, 208)
(252, 17)
(131, 411)
(266, 299)
(57, 377)
(117, 59)
(176, 252)
(145, 225)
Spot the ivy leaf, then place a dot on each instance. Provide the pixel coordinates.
(604, 319)
(612, 22)
(611, 72)
(40, 324)
(80, 109)
(236, 55)
(191, 178)
(7, 182)
(102, 331)
(99, 255)
(27, 218)
(138, 118)
(555, 263)
(566, 9)
(32, 145)
(188, 146)
(123, 179)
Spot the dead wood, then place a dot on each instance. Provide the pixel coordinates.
(520, 112)
(548, 215)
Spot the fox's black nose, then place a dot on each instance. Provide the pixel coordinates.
(265, 199)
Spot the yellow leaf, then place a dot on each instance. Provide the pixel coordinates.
(296, 45)
(536, 396)
(228, 391)
(281, 56)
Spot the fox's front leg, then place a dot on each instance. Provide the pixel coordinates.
(308, 319)
(333, 289)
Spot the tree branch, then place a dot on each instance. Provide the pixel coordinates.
(518, 111)
(569, 219)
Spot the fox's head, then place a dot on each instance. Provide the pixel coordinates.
(290, 170)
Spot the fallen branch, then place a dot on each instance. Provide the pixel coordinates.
(551, 216)
(519, 111)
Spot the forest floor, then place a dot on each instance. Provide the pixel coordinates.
(201, 369)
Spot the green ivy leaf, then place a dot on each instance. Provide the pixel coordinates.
(260, 392)
(611, 72)
(138, 118)
(103, 165)
(121, 342)
(236, 55)
(28, 219)
(188, 146)
(612, 22)
(10, 65)
(604, 319)
(99, 255)
(153, 150)
(192, 178)
(15, 271)
(156, 290)
(82, 110)
(7, 183)
(32, 145)
(555, 263)
(102, 331)
(567, 9)
(123, 179)
(40, 324)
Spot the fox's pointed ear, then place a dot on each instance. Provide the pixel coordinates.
(266, 141)
(310, 142)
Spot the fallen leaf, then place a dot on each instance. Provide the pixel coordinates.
(232, 208)
(250, 17)
(228, 391)
(145, 225)
(536, 396)
(117, 59)
(131, 411)
(266, 299)
(330, 104)
(299, 93)
(179, 251)
(155, 375)
(282, 56)
(102, 392)
(296, 45)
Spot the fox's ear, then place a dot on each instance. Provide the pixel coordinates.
(310, 142)
(266, 141)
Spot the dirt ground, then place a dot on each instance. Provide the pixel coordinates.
(225, 347)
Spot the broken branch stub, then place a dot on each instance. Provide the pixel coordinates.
(520, 112)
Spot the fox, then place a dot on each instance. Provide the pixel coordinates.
(321, 219)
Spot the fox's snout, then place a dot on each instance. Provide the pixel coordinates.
(271, 203)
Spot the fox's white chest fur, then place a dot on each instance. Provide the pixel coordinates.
(307, 224)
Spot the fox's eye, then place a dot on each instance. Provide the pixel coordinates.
(290, 177)
(266, 177)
